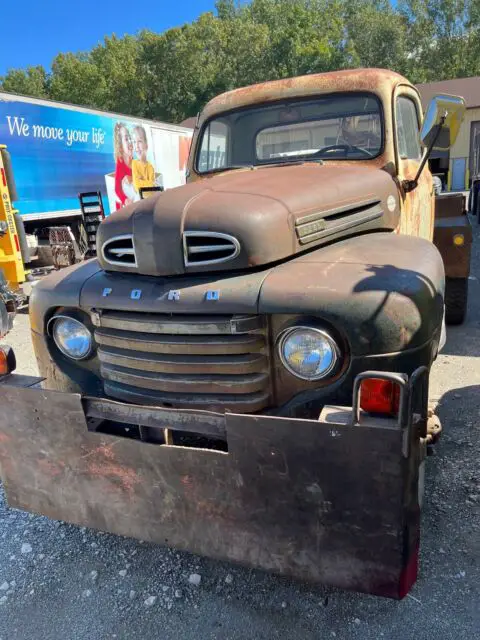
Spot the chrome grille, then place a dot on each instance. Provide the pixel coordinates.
(208, 247)
(120, 251)
(209, 362)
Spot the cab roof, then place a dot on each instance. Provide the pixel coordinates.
(381, 82)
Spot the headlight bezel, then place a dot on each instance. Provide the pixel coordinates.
(336, 351)
(73, 318)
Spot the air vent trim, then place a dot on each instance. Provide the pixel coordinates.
(130, 251)
(230, 243)
(320, 225)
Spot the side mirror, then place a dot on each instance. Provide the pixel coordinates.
(442, 121)
(440, 128)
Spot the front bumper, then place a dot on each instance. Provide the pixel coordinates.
(332, 500)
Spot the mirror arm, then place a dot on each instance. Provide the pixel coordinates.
(410, 185)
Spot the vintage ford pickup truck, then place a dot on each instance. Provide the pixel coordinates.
(243, 371)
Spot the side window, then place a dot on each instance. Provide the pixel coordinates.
(408, 131)
(213, 150)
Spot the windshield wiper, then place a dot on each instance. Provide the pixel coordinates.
(277, 163)
(285, 163)
(228, 168)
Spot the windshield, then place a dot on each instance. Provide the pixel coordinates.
(335, 127)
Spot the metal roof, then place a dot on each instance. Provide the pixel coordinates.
(467, 88)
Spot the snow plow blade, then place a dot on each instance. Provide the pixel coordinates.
(332, 501)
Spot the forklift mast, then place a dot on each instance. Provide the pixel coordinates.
(11, 259)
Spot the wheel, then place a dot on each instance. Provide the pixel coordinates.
(456, 297)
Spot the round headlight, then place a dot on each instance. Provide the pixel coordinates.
(308, 353)
(72, 337)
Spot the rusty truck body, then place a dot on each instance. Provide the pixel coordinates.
(243, 371)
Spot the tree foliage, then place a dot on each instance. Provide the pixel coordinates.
(32, 81)
(171, 75)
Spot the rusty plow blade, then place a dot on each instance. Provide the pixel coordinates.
(331, 501)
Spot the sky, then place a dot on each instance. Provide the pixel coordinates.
(34, 31)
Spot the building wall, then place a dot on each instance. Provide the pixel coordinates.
(461, 148)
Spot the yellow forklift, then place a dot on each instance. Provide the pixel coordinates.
(12, 269)
(16, 278)
(13, 247)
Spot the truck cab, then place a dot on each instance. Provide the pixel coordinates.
(300, 211)
(290, 283)
(368, 120)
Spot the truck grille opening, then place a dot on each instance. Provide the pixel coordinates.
(205, 362)
(120, 251)
(208, 247)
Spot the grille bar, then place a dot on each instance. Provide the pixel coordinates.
(180, 344)
(176, 325)
(238, 364)
(120, 251)
(210, 362)
(248, 383)
(208, 247)
(241, 403)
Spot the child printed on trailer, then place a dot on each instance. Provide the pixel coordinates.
(143, 172)
(133, 170)
(123, 151)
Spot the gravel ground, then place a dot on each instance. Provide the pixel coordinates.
(61, 582)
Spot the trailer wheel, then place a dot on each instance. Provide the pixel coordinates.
(456, 297)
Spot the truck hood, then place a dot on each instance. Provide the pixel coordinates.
(247, 218)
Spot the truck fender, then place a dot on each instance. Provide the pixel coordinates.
(384, 291)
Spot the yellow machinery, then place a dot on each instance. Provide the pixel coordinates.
(11, 259)
(16, 279)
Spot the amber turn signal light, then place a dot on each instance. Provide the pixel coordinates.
(8, 362)
(380, 396)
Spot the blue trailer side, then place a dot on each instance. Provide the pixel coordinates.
(59, 150)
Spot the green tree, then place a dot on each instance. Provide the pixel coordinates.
(444, 37)
(176, 68)
(185, 67)
(226, 9)
(76, 79)
(117, 61)
(32, 81)
(108, 77)
(306, 36)
(171, 75)
(377, 35)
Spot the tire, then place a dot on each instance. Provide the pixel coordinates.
(456, 297)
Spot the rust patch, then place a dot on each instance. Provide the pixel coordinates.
(124, 477)
(101, 463)
(375, 80)
(187, 482)
(418, 205)
(51, 469)
(102, 450)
